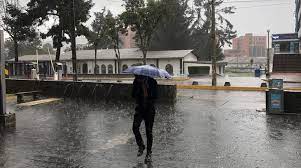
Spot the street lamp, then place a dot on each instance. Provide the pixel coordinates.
(268, 56)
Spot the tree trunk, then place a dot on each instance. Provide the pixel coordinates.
(16, 57)
(118, 65)
(213, 36)
(73, 44)
(16, 51)
(58, 54)
(144, 57)
(95, 59)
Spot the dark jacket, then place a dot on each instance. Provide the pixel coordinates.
(137, 92)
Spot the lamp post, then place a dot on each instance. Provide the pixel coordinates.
(268, 56)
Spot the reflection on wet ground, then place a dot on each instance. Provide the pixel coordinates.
(203, 129)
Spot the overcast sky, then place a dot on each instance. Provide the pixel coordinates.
(252, 16)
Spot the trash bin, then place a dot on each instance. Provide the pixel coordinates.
(257, 73)
(275, 97)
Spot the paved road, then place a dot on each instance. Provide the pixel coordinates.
(203, 129)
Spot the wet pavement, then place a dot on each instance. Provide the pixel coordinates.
(238, 81)
(215, 129)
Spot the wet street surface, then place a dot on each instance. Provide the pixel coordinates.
(210, 129)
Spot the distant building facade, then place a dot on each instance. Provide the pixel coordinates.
(176, 62)
(285, 43)
(247, 46)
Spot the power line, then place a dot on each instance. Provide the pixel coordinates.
(253, 1)
(256, 6)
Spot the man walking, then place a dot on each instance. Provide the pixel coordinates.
(145, 94)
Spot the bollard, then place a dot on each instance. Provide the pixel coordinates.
(227, 84)
(263, 85)
(195, 83)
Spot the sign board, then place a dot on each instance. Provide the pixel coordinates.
(288, 36)
(276, 84)
(275, 101)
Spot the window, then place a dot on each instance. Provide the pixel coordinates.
(110, 69)
(153, 65)
(169, 69)
(124, 67)
(96, 70)
(103, 69)
(85, 68)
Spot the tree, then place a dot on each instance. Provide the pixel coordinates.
(64, 12)
(114, 27)
(173, 32)
(97, 36)
(143, 18)
(18, 25)
(201, 28)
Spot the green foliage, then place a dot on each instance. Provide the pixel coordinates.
(97, 36)
(173, 32)
(62, 12)
(143, 18)
(18, 25)
(202, 25)
(114, 26)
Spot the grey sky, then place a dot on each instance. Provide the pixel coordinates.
(252, 16)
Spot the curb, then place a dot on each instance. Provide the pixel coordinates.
(229, 88)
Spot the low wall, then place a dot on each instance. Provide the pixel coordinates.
(86, 90)
(292, 102)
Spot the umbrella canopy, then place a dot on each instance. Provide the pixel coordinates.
(147, 70)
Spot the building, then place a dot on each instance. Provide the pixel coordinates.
(298, 17)
(247, 46)
(285, 43)
(176, 62)
(287, 58)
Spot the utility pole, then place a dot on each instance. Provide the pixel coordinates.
(7, 120)
(213, 40)
(2, 81)
(73, 44)
(268, 56)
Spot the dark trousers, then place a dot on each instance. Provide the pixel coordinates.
(147, 114)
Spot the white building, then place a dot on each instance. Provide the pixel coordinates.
(176, 62)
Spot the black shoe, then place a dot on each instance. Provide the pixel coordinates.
(140, 151)
(148, 158)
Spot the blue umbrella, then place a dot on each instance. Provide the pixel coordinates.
(147, 70)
